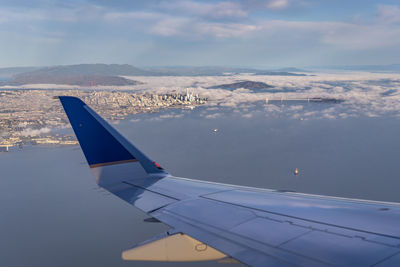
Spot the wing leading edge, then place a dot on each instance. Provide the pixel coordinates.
(211, 221)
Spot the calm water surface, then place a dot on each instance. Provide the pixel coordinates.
(53, 214)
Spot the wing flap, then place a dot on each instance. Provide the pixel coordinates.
(274, 238)
(176, 247)
(245, 250)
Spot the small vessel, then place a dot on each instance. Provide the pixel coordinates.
(296, 171)
(215, 130)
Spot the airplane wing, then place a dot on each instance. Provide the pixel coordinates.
(212, 221)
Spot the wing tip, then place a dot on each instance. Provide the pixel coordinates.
(69, 99)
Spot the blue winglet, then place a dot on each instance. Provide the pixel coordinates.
(100, 142)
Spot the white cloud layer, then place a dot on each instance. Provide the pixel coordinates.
(364, 94)
(35, 132)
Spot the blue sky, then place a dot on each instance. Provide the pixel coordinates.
(254, 33)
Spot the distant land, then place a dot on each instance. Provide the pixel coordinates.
(89, 69)
(251, 85)
(69, 79)
(292, 69)
(370, 68)
(219, 71)
(8, 73)
(81, 75)
(112, 74)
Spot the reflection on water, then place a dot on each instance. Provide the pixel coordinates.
(52, 214)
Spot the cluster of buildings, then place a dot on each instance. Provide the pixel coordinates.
(29, 116)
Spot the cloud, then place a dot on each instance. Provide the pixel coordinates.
(296, 108)
(221, 10)
(362, 92)
(388, 14)
(167, 25)
(199, 20)
(277, 4)
(170, 116)
(248, 115)
(170, 26)
(343, 35)
(167, 116)
(194, 32)
(225, 30)
(35, 132)
(271, 108)
(366, 37)
(213, 116)
(71, 14)
(365, 94)
(113, 17)
(33, 15)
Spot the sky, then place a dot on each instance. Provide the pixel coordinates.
(245, 33)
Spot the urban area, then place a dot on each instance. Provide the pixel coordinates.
(35, 117)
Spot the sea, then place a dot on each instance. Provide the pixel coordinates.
(53, 214)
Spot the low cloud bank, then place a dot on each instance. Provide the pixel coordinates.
(35, 132)
(364, 94)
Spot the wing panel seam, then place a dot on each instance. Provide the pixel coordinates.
(303, 219)
(385, 259)
(144, 188)
(202, 225)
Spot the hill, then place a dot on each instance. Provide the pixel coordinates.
(87, 69)
(109, 74)
(251, 85)
(80, 80)
(82, 75)
(8, 73)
